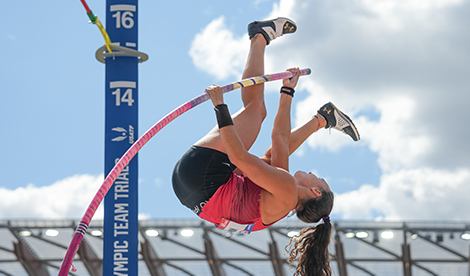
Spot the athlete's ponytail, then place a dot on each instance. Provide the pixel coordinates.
(310, 247)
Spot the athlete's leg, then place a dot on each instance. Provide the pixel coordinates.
(328, 116)
(300, 134)
(248, 120)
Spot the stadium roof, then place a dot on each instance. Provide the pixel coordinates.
(37, 247)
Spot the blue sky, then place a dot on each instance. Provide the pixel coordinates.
(399, 69)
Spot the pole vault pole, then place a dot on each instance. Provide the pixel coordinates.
(120, 246)
(132, 151)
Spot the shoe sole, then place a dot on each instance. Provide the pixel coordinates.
(289, 26)
(347, 119)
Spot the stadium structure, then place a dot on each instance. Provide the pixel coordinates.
(194, 247)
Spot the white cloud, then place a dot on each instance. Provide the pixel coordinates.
(144, 216)
(284, 9)
(391, 12)
(392, 60)
(216, 50)
(398, 145)
(403, 59)
(64, 199)
(411, 194)
(68, 198)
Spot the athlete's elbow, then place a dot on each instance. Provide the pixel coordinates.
(239, 158)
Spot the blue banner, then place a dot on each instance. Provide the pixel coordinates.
(120, 252)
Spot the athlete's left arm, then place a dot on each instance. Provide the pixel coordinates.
(282, 147)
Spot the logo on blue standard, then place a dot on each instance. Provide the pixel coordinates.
(122, 134)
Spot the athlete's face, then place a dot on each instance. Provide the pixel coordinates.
(311, 183)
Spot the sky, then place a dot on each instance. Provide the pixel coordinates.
(399, 69)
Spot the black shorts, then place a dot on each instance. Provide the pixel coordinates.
(198, 175)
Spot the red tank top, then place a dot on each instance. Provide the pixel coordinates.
(238, 200)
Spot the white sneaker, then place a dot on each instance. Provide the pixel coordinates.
(271, 29)
(338, 120)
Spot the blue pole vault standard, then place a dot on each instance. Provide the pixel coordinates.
(120, 252)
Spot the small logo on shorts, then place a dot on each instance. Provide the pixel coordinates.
(198, 208)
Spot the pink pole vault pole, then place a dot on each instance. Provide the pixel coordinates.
(132, 151)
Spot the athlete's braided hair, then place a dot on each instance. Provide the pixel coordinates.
(311, 245)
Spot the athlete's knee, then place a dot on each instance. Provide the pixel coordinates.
(259, 108)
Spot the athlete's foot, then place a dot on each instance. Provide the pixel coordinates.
(320, 120)
(338, 120)
(272, 29)
(259, 38)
